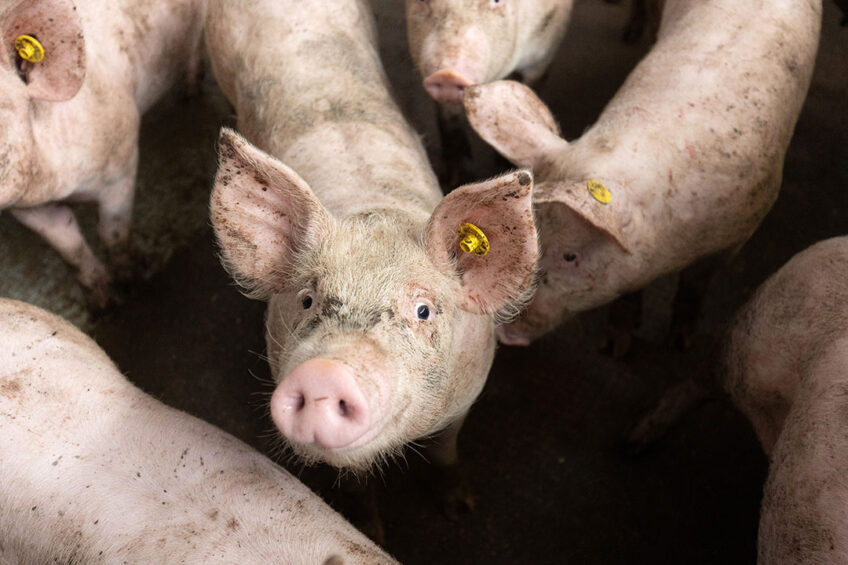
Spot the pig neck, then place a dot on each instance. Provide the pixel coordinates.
(331, 117)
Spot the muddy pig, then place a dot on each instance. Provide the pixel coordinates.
(683, 163)
(380, 326)
(457, 43)
(787, 370)
(96, 471)
(76, 78)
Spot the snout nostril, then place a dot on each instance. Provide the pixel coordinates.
(344, 410)
(294, 402)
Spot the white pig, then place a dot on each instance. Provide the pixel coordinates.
(457, 43)
(92, 470)
(787, 370)
(682, 164)
(70, 121)
(380, 330)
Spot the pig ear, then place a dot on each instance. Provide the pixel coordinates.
(512, 119)
(263, 214)
(602, 203)
(496, 282)
(56, 25)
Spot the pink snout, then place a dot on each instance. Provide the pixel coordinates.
(446, 86)
(319, 402)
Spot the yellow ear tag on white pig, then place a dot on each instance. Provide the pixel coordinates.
(473, 240)
(29, 48)
(598, 191)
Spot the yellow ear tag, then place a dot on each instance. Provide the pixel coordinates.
(598, 191)
(473, 240)
(29, 48)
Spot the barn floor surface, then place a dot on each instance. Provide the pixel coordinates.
(542, 446)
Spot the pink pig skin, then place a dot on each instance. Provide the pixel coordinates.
(690, 150)
(786, 367)
(95, 471)
(70, 122)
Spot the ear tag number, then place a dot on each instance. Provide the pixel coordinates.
(598, 191)
(473, 240)
(29, 48)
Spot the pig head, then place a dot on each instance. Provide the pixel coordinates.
(380, 329)
(457, 43)
(57, 77)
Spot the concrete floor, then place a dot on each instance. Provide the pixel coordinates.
(542, 445)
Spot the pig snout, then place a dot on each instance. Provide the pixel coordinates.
(446, 86)
(319, 402)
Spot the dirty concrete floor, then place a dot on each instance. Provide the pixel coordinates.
(543, 443)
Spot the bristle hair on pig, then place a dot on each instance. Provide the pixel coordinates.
(786, 368)
(76, 78)
(96, 471)
(380, 329)
(683, 163)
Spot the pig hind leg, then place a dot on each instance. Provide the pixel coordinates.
(57, 224)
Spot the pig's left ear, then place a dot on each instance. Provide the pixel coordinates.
(510, 117)
(498, 274)
(59, 44)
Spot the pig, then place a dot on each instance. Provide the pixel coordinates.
(380, 326)
(71, 119)
(786, 368)
(682, 164)
(457, 43)
(96, 471)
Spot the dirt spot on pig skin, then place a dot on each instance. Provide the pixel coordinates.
(233, 524)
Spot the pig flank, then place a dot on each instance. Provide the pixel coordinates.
(786, 367)
(70, 122)
(691, 149)
(343, 240)
(96, 471)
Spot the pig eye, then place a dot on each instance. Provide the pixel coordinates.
(569, 257)
(422, 311)
(306, 301)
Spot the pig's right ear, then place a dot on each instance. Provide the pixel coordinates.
(263, 214)
(497, 277)
(510, 117)
(56, 26)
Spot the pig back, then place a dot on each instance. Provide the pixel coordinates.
(699, 129)
(104, 473)
(309, 89)
(791, 322)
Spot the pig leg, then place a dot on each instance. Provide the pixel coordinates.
(624, 317)
(675, 403)
(455, 147)
(57, 224)
(692, 288)
(115, 216)
(448, 477)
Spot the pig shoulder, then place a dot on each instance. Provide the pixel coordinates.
(792, 319)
